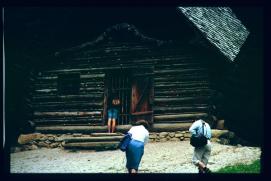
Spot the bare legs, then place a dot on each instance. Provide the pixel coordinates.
(111, 125)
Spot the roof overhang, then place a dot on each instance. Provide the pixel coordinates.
(220, 26)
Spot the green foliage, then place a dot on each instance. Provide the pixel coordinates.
(254, 167)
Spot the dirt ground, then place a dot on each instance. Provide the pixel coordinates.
(159, 157)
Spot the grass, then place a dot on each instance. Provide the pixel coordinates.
(254, 167)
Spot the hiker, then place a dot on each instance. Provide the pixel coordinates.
(135, 151)
(201, 154)
(113, 114)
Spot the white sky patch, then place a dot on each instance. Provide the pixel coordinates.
(220, 26)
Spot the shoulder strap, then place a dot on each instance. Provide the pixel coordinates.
(203, 128)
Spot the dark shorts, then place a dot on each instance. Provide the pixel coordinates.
(113, 113)
(134, 154)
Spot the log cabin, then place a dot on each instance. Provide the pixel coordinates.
(166, 82)
(160, 81)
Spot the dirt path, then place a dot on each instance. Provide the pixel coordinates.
(167, 157)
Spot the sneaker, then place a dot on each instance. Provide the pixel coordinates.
(207, 170)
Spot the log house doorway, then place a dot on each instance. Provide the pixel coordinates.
(118, 83)
(134, 88)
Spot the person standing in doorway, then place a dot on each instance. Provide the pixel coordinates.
(113, 114)
(135, 151)
(201, 154)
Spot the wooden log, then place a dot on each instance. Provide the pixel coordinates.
(86, 102)
(195, 77)
(184, 64)
(106, 134)
(179, 99)
(121, 128)
(189, 85)
(92, 145)
(142, 113)
(184, 90)
(83, 76)
(179, 116)
(55, 114)
(178, 71)
(69, 106)
(170, 127)
(42, 98)
(177, 81)
(176, 121)
(87, 122)
(92, 139)
(162, 109)
(181, 92)
(80, 129)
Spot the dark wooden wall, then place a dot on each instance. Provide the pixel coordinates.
(181, 83)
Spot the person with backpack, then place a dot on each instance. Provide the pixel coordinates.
(139, 138)
(200, 139)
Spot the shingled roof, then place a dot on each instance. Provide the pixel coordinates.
(220, 26)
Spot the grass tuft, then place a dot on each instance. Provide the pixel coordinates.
(254, 167)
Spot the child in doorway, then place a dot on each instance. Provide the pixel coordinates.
(113, 114)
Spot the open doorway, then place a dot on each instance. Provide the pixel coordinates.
(134, 89)
(118, 84)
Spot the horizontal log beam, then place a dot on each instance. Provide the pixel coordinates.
(80, 129)
(92, 139)
(47, 78)
(74, 103)
(53, 114)
(81, 89)
(179, 116)
(92, 145)
(177, 99)
(67, 97)
(142, 113)
(120, 128)
(160, 127)
(162, 109)
(177, 71)
(69, 106)
(189, 85)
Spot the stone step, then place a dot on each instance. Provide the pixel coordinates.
(92, 139)
(99, 146)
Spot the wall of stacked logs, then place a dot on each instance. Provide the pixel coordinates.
(181, 83)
